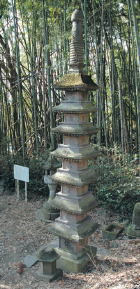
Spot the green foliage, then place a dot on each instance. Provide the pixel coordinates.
(118, 187)
(36, 185)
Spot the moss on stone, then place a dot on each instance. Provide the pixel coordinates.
(74, 81)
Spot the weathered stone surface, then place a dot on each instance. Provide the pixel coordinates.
(75, 262)
(47, 213)
(48, 209)
(68, 261)
(74, 153)
(52, 245)
(47, 255)
(48, 271)
(77, 42)
(75, 107)
(77, 205)
(30, 260)
(74, 232)
(76, 129)
(49, 277)
(132, 232)
(79, 178)
(68, 264)
(133, 229)
(112, 231)
(74, 226)
(136, 216)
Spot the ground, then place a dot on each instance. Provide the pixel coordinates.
(116, 266)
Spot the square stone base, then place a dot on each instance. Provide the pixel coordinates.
(71, 263)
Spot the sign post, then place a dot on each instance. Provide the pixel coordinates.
(21, 174)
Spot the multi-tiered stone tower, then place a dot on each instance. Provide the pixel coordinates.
(74, 200)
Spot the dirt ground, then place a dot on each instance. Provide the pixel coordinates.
(116, 266)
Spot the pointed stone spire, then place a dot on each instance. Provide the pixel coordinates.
(76, 79)
(77, 43)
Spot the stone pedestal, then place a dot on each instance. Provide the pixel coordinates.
(75, 262)
(48, 213)
(74, 226)
(48, 271)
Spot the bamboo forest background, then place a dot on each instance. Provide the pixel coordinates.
(34, 53)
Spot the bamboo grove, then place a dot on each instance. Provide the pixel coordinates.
(34, 53)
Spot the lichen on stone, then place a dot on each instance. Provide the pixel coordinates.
(76, 80)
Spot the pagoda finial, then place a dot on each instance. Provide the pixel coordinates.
(77, 43)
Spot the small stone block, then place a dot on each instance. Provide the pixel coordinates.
(48, 268)
(30, 260)
(48, 271)
(49, 278)
(112, 231)
(132, 232)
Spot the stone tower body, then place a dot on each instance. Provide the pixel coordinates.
(74, 226)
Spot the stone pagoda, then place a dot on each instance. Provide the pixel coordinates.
(74, 226)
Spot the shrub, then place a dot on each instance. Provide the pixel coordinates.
(118, 188)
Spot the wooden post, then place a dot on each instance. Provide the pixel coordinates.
(17, 189)
(26, 192)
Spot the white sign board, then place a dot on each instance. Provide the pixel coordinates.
(21, 173)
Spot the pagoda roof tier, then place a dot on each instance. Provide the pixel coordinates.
(76, 153)
(76, 233)
(75, 82)
(74, 205)
(76, 129)
(76, 178)
(75, 107)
